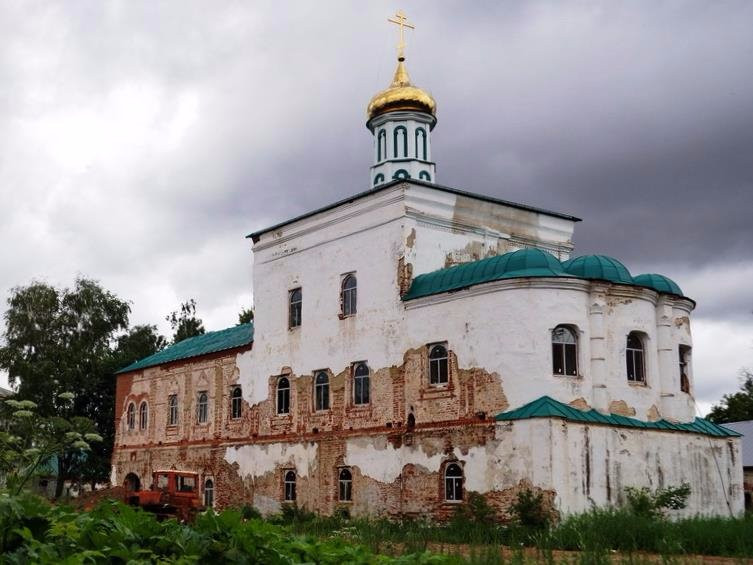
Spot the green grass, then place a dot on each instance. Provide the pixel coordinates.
(598, 533)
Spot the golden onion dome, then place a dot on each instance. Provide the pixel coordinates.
(401, 95)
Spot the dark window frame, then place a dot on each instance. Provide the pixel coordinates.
(289, 479)
(349, 295)
(172, 410)
(439, 364)
(236, 402)
(635, 358)
(131, 416)
(202, 407)
(684, 362)
(453, 482)
(321, 391)
(143, 415)
(565, 352)
(295, 308)
(361, 384)
(345, 485)
(283, 395)
(209, 492)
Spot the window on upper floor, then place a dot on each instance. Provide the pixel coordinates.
(131, 416)
(295, 308)
(202, 407)
(361, 383)
(345, 484)
(349, 295)
(236, 402)
(283, 395)
(564, 351)
(381, 145)
(143, 416)
(438, 364)
(635, 358)
(684, 351)
(289, 485)
(321, 391)
(400, 140)
(172, 410)
(453, 483)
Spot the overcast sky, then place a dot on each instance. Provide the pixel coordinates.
(140, 141)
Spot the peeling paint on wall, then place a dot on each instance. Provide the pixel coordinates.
(256, 460)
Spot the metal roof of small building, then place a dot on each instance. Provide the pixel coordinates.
(210, 342)
(745, 428)
(255, 235)
(547, 407)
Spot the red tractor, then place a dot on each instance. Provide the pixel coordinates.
(173, 494)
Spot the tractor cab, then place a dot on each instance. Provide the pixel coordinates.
(171, 494)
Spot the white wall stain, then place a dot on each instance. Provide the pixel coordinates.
(257, 460)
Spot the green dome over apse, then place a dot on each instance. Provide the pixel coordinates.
(521, 263)
(599, 267)
(659, 283)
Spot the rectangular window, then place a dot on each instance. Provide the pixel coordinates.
(289, 484)
(438, 364)
(283, 396)
(236, 403)
(202, 408)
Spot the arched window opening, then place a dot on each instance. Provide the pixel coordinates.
(684, 362)
(564, 351)
(379, 179)
(361, 384)
(289, 484)
(296, 308)
(453, 482)
(209, 493)
(420, 144)
(143, 416)
(411, 421)
(381, 145)
(132, 483)
(172, 410)
(400, 134)
(345, 483)
(401, 174)
(438, 370)
(131, 416)
(424, 175)
(634, 354)
(349, 295)
(321, 391)
(202, 408)
(236, 403)
(283, 396)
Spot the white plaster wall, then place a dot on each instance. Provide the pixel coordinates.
(256, 460)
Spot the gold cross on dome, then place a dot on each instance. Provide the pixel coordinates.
(401, 21)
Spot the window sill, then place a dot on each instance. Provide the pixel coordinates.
(561, 376)
(638, 384)
(345, 502)
(453, 502)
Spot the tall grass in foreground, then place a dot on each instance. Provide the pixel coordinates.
(598, 533)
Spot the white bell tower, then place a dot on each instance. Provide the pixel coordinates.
(401, 119)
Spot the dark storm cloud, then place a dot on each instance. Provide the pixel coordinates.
(142, 140)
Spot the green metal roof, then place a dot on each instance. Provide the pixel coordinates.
(659, 283)
(210, 342)
(600, 267)
(547, 407)
(521, 263)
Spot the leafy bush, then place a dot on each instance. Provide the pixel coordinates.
(647, 504)
(529, 511)
(474, 511)
(32, 531)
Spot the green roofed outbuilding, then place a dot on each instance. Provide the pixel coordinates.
(210, 342)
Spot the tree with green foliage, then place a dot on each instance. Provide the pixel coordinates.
(184, 322)
(246, 316)
(30, 441)
(59, 341)
(735, 407)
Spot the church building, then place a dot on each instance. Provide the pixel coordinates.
(414, 343)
